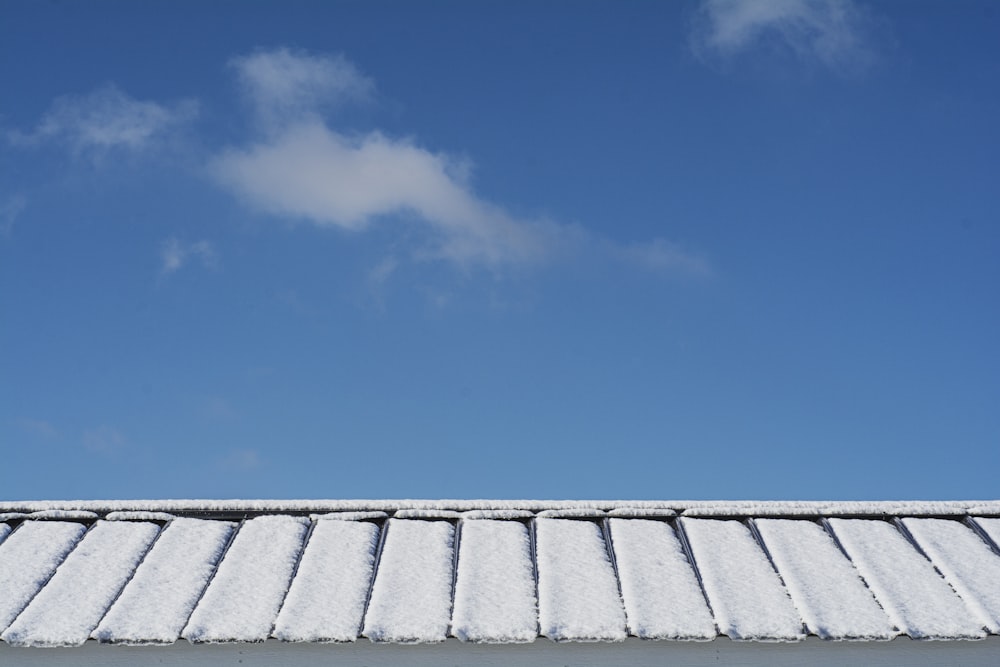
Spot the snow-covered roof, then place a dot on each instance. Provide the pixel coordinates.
(153, 572)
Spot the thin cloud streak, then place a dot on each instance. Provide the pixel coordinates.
(660, 255)
(175, 254)
(39, 428)
(831, 31)
(10, 210)
(105, 119)
(104, 440)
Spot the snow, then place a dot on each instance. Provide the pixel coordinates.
(688, 507)
(914, 596)
(243, 599)
(969, 565)
(349, 516)
(411, 598)
(825, 587)
(497, 514)
(839, 508)
(165, 588)
(4, 532)
(662, 597)
(641, 512)
(326, 601)
(427, 514)
(68, 514)
(572, 513)
(495, 588)
(992, 529)
(746, 594)
(27, 560)
(577, 591)
(68, 608)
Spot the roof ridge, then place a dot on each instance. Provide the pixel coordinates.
(704, 508)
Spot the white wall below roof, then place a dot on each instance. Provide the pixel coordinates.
(634, 652)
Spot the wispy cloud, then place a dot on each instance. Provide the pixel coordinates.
(282, 84)
(38, 428)
(831, 31)
(217, 408)
(302, 168)
(105, 119)
(174, 254)
(10, 209)
(104, 440)
(663, 256)
(241, 459)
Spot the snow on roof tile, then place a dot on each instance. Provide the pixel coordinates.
(250, 584)
(495, 587)
(578, 596)
(27, 560)
(326, 601)
(662, 597)
(72, 603)
(918, 600)
(495, 571)
(991, 527)
(826, 589)
(411, 597)
(966, 562)
(745, 592)
(157, 602)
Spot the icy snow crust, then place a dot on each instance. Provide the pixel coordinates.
(745, 592)
(825, 587)
(72, 603)
(27, 560)
(916, 598)
(969, 565)
(326, 601)
(411, 597)
(660, 590)
(158, 600)
(578, 596)
(495, 589)
(250, 584)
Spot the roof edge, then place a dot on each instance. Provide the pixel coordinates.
(705, 508)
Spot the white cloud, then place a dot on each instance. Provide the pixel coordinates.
(283, 84)
(300, 167)
(663, 256)
(105, 119)
(174, 254)
(10, 209)
(832, 31)
(381, 272)
(310, 171)
(104, 440)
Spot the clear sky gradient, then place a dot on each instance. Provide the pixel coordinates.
(500, 249)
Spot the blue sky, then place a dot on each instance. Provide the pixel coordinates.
(500, 249)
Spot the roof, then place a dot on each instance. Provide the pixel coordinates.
(154, 572)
